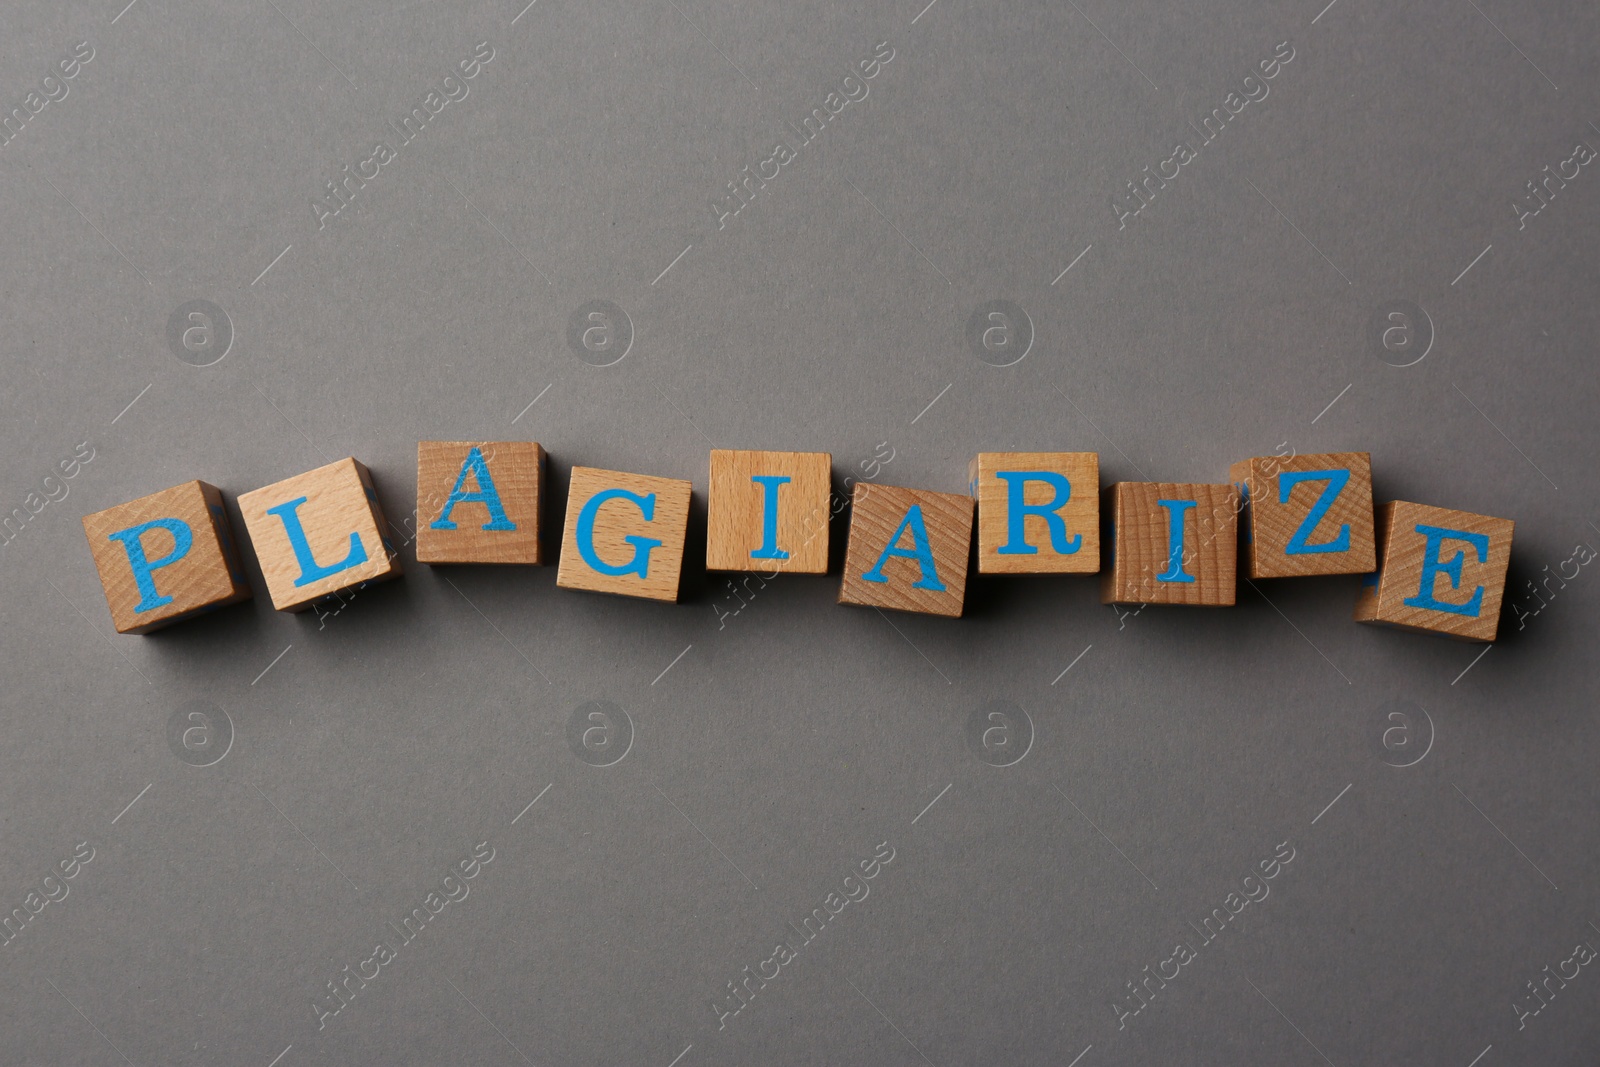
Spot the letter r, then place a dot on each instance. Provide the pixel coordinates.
(1017, 511)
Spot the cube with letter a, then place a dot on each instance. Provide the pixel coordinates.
(478, 501)
(317, 534)
(1171, 544)
(908, 550)
(1306, 515)
(624, 534)
(768, 510)
(166, 557)
(1442, 572)
(1038, 512)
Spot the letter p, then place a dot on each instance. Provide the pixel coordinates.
(143, 567)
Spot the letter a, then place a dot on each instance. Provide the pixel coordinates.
(921, 551)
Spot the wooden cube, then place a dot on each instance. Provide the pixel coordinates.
(1306, 515)
(624, 534)
(1171, 544)
(478, 501)
(1038, 512)
(166, 557)
(1443, 572)
(318, 533)
(768, 511)
(907, 550)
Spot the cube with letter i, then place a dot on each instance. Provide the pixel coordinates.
(318, 533)
(768, 510)
(1171, 544)
(624, 534)
(478, 501)
(908, 550)
(165, 557)
(1306, 515)
(1038, 512)
(1442, 572)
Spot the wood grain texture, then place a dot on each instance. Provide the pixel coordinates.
(1141, 558)
(516, 472)
(735, 508)
(1080, 514)
(616, 520)
(1271, 525)
(877, 513)
(339, 501)
(206, 577)
(1410, 571)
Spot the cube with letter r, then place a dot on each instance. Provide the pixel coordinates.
(1038, 512)
(1442, 572)
(166, 557)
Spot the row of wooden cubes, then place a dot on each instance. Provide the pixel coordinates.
(171, 555)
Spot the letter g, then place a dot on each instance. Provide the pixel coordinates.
(640, 564)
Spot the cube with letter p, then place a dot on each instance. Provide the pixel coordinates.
(165, 557)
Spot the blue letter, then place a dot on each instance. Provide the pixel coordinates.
(310, 569)
(143, 567)
(1175, 571)
(1017, 510)
(640, 564)
(486, 495)
(769, 516)
(1432, 567)
(1299, 544)
(920, 551)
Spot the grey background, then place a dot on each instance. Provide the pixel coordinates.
(775, 748)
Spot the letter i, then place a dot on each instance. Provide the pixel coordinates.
(769, 516)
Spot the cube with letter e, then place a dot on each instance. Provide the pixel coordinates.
(1442, 572)
(165, 557)
(1306, 515)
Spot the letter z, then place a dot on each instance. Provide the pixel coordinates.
(1299, 544)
